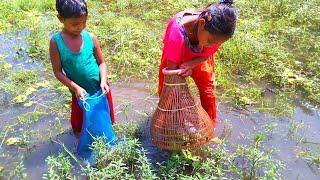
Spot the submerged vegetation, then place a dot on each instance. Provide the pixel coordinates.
(129, 161)
(271, 63)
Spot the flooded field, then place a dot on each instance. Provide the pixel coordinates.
(31, 133)
(267, 81)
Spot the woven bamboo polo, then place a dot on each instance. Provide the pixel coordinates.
(179, 122)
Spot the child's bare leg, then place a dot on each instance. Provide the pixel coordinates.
(77, 134)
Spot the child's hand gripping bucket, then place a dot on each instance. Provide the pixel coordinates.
(97, 123)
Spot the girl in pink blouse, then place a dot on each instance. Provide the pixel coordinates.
(191, 40)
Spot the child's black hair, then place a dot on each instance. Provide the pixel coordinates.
(220, 18)
(71, 8)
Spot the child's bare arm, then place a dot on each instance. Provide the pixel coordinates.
(102, 65)
(193, 63)
(57, 69)
(187, 66)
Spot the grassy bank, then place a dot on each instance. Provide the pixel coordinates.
(276, 42)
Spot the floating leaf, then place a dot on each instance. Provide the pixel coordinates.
(188, 155)
(12, 141)
(30, 90)
(7, 66)
(29, 104)
(2, 56)
(41, 84)
(1, 169)
(20, 99)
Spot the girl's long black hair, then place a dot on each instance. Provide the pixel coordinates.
(221, 18)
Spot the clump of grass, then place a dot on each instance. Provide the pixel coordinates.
(21, 84)
(272, 49)
(5, 68)
(22, 79)
(128, 129)
(270, 128)
(59, 167)
(278, 105)
(295, 127)
(19, 171)
(246, 162)
(258, 164)
(31, 117)
(131, 45)
(241, 97)
(283, 106)
(311, 157)
(127, 160)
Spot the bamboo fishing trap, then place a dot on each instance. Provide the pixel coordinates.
(179, 121)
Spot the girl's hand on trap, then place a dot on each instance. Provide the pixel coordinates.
(104, 86)
(186, 70)
(80, 92)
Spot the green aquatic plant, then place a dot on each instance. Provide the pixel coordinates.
(19, 171)
(258, 164)
(270, 128)
(5, 68)
(312, 157)
(59, 167)
(295, 127)
(282, 106)
(241, 96)
(125, 160)
(31, 117)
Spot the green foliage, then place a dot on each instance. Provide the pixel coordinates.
(295, 127)
(311, 157)
(257, 164)
(127, 160)
(4, 68)
(271, 42)
(246, 162)
(241, 96)
(19, 171)
(128, 129)
(19, 82)
(31, 117)
(59, 167)
(22, 13)
(282, 106)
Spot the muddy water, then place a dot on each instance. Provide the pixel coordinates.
(241, 128)
(133, 102)
(136, 95)
(13, 50)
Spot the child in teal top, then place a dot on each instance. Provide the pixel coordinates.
(77, 58)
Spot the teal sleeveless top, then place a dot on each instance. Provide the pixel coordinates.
(80, 67)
